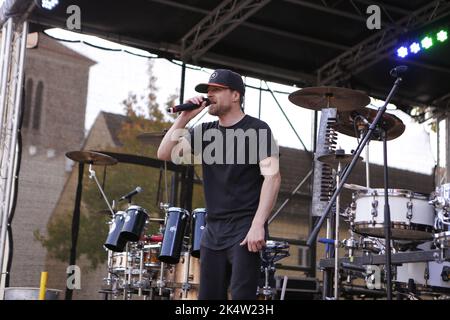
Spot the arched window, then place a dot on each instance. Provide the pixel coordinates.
(27, 106)
(38, 106)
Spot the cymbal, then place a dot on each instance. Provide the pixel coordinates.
(389, 122)
(355, 187)
(91, 157)
(318, 98)
(152, 138)
(335, 158)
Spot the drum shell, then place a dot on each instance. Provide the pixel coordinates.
(419, 227)
(198, 225)
(133, 227)
(175, 229)
(115, 242)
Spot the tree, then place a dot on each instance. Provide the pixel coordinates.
(143, 114)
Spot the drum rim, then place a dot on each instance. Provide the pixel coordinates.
(392, 192)
(178, 209)
(135, 207)
(397, 226)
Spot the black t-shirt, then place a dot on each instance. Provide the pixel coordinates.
(232, 179)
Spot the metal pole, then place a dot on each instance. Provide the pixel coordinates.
(17, 73)
(336, 241)
(291, 195)
(6, 52)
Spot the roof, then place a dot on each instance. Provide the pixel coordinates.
(295, 42)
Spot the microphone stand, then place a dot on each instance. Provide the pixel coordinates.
(313, 236)
(387, 218)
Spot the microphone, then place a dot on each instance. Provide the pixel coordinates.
(397, 71)
(132, 193)
(187, 106)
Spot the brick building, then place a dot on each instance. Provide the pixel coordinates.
(55, 102)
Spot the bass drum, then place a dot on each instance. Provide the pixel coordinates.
(430, 276)
(412, 218)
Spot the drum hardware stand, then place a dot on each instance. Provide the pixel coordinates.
(161, 283)
(186, 286)
(387, 218)
(395, 73)
(268, 257)
(92, 175)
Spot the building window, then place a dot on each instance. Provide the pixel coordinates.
(27, 106)
(303, 256)
(38, 106)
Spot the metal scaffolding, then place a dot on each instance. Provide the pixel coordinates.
(12, 55)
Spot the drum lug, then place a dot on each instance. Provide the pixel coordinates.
(374, 211)
(409, 209)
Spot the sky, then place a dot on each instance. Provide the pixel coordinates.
(116, 74)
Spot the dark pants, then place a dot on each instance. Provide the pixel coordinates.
(235, 267)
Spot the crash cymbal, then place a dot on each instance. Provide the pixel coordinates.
(152, 138)
(91, 157)
(318, 98)
(334, 158)
(346, 123)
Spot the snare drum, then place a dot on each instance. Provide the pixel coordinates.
(120, 261)
(133, 227)
(151, 252)
(412, 218)
(177, 219)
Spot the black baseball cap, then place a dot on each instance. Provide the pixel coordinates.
(223, 78)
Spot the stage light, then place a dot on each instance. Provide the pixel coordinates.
(426, 42)
(49, 4)
(414, 47)
(442, 35)
(402, 52)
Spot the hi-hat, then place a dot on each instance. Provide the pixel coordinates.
(350, 122)
(318, 98)
(355, 187)
(335, 158)
(91, 157)
(152, 138)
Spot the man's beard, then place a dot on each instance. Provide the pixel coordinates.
(215, 110)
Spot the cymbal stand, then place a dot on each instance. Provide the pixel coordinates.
(93, 176)
(336, 239)
(387, 218)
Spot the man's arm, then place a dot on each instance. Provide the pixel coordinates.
(170, 141)
(255, 239)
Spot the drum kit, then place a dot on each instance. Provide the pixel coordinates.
(418, 222)
(164, 265)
